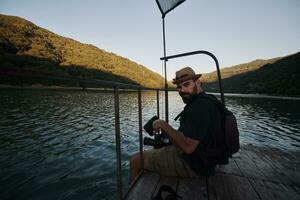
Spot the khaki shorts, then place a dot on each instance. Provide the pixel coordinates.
(168, 161)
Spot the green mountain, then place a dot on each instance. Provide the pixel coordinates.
(273, 76)
(32, 55)
(238, 69)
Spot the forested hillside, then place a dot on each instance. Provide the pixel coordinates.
(274, 76)
(238, 69)
(32, 55)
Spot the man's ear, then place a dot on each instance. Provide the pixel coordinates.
(199, 84)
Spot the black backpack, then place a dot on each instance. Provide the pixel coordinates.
(220, 155)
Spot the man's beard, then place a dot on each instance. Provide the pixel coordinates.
(187, 97)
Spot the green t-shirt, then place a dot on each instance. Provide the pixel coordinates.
(200, 120)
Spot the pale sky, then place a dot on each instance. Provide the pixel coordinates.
(235, 31)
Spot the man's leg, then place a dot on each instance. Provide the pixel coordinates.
(135, 163)
(165, 161)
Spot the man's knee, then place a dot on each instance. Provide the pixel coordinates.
(135, 160)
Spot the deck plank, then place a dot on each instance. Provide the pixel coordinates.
(144, 187)
(192, 188)
(270, 164)
(275, 191)
(286, 164)
(265, 166)
(247, 164)
(224, 186)
(230, 168)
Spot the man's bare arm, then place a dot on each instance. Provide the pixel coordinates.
(186, 144)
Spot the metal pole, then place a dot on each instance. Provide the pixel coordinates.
(118, 146)
(219, 80)
(157, 102)
(165, 66)
(140, 129)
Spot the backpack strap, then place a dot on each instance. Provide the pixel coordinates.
(223, 110)
(206, 96)
(218, 103)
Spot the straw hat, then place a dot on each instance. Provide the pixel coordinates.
(185, 74)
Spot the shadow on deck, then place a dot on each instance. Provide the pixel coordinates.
(253, 173)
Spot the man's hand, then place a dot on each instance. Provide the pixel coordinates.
(187, 144)
(158, 125)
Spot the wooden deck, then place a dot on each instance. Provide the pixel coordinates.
(253, 173)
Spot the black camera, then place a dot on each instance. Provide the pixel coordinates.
(160, 138)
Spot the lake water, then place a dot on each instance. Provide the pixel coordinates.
(57, 144)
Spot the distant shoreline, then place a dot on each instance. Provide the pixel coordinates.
(258, 96)
(43, 87)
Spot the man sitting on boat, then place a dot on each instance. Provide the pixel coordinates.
(200, 122)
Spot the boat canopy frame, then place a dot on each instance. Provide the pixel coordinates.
(166, 6)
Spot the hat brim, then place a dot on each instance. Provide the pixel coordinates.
(185, 78)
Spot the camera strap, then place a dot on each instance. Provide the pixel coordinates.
(179, 115)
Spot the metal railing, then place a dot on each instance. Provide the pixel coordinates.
(118, 133)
